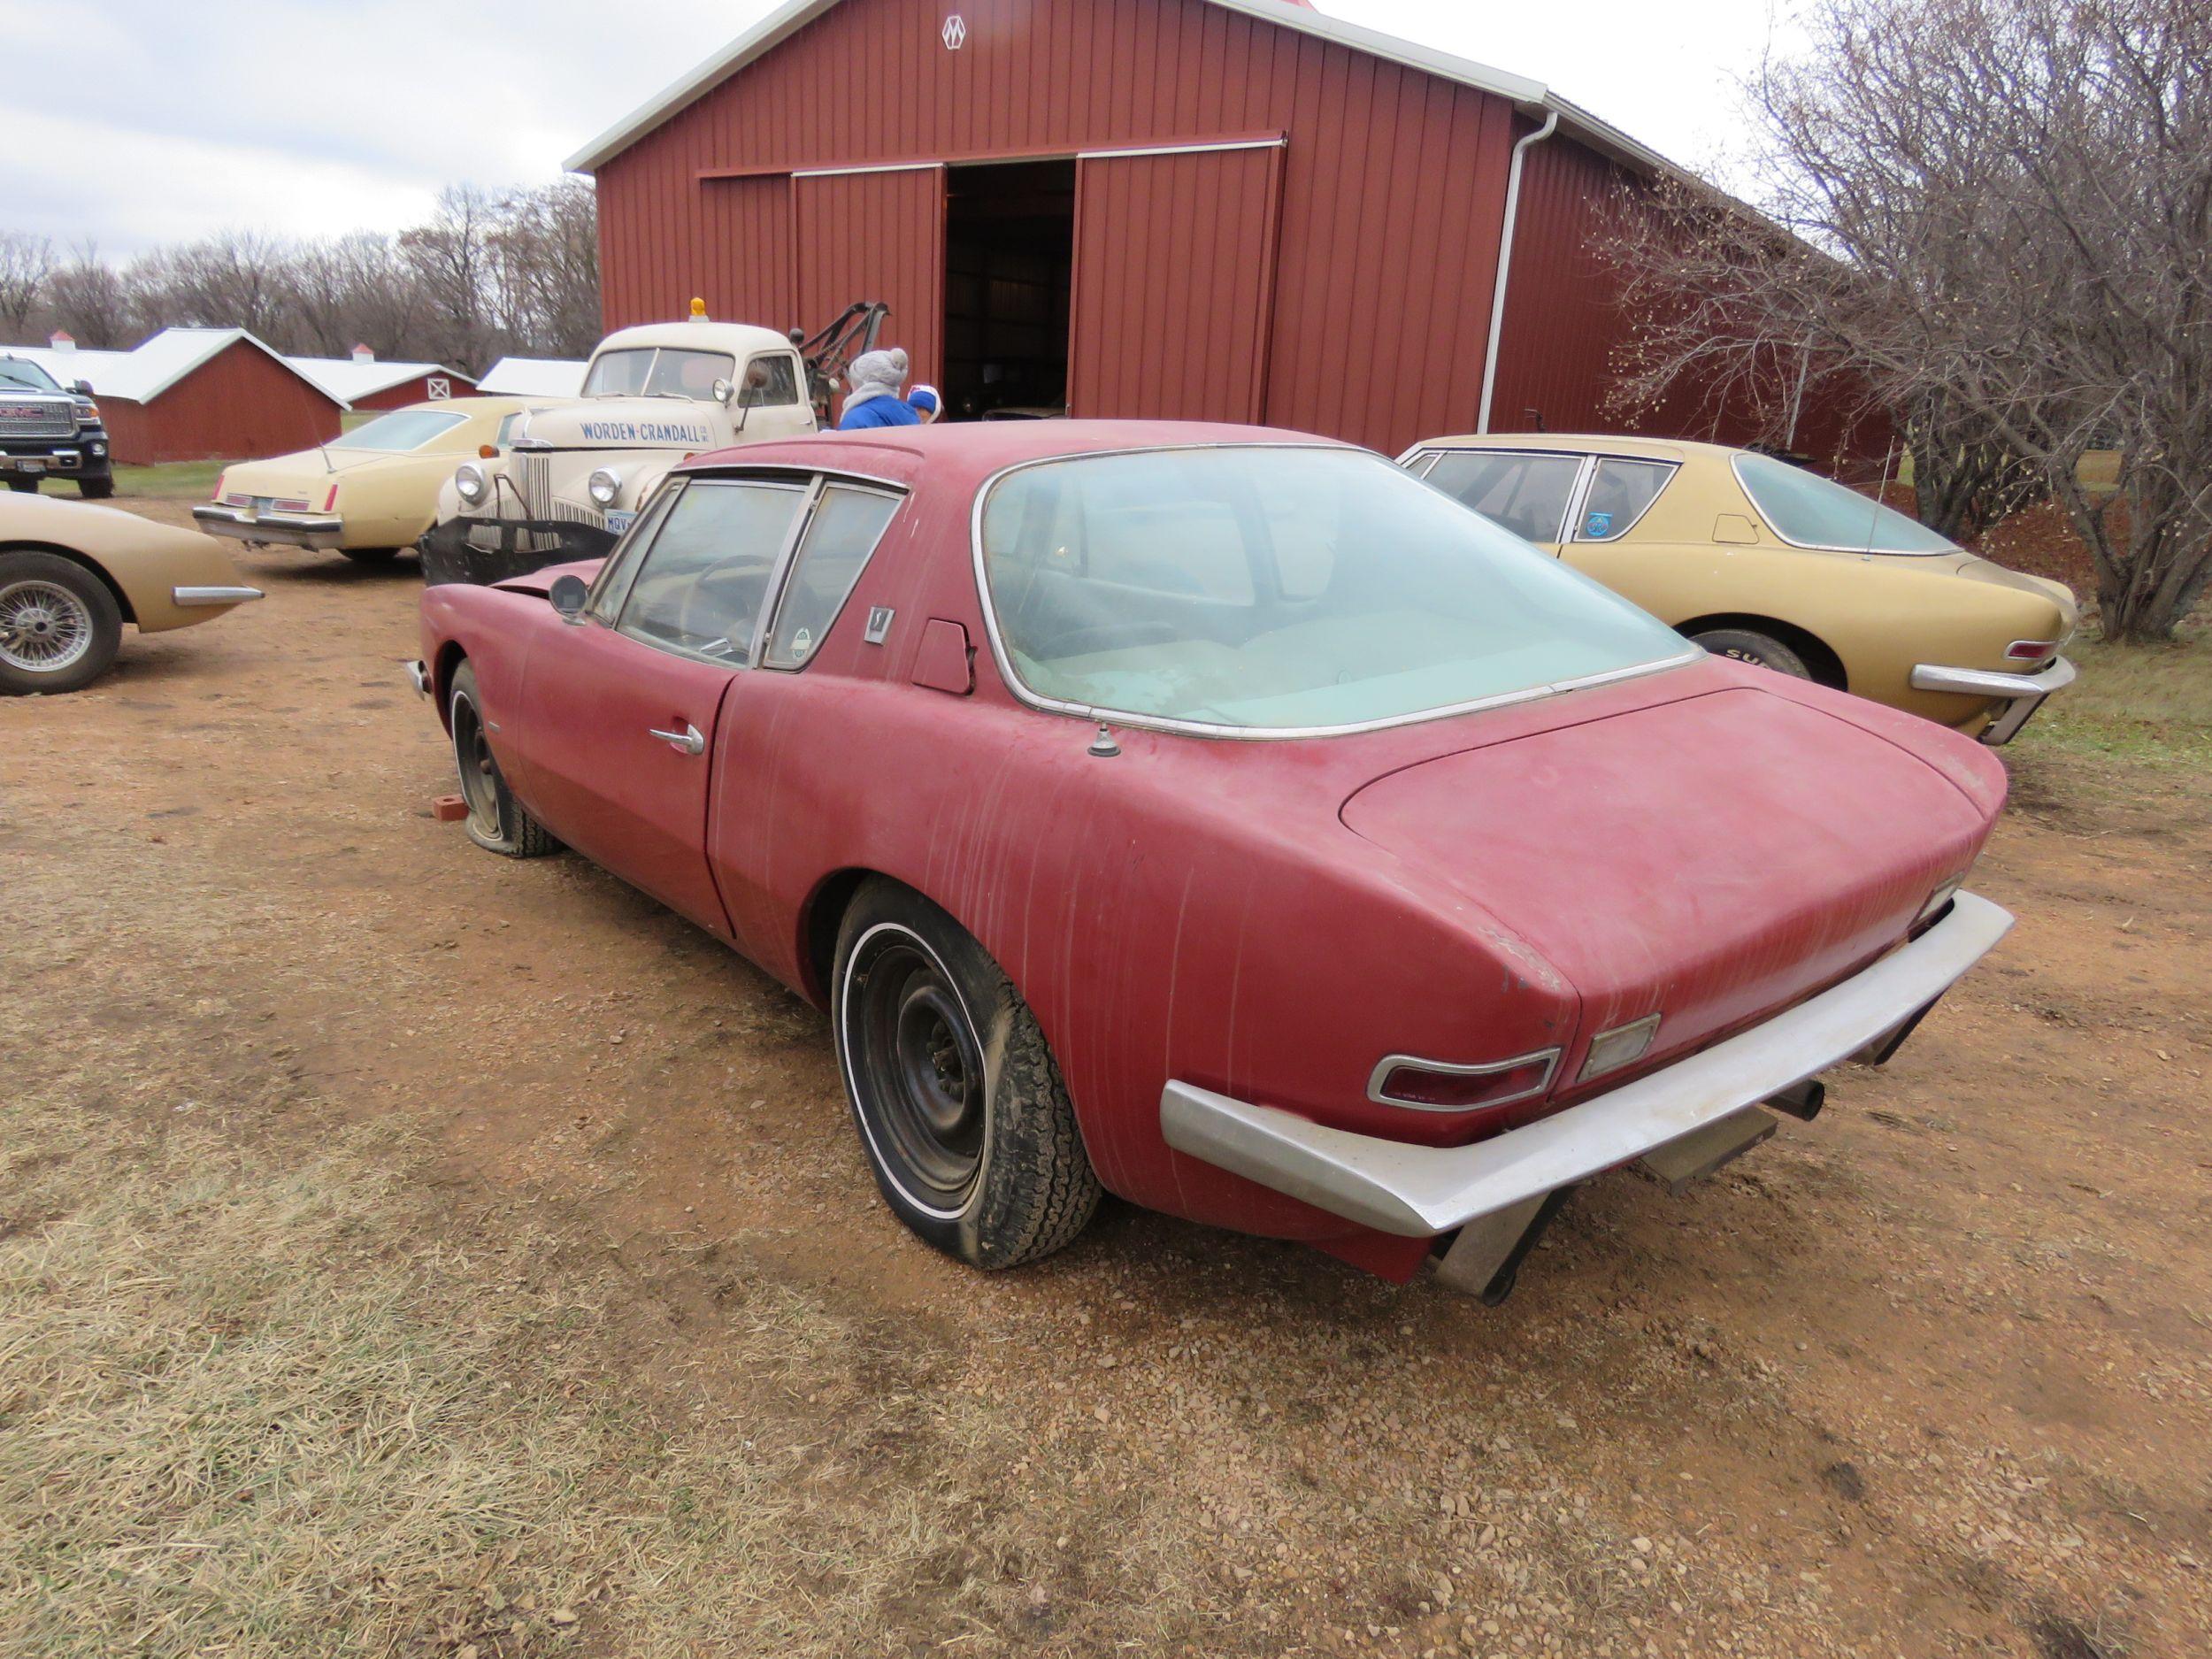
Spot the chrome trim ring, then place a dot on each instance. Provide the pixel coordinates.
(44, 628)
(1390, 1063)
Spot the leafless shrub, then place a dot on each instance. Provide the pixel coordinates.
(1996, 215)
(27, 263)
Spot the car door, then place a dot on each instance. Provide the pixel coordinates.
(1526, 491)
(619, 709)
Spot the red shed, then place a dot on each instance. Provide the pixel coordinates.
(1238, 209)
(361, 380)
(199, 394)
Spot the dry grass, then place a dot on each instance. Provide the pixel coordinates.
(2137, 702)
(259, 1410)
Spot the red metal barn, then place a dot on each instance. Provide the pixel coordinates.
(199, 394)
(1238, 209)
(363, 381)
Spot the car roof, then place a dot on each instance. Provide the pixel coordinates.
(1582, 443)
(973, 450)
(696, 335)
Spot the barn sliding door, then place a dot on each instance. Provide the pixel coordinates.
(1174, 282)
(876, 234)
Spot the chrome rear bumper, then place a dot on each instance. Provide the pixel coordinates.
(311, 530)
(1419, 1192)
(2024, 692)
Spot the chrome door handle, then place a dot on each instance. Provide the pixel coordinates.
(687, 741)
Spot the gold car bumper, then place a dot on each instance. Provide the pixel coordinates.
(2024, 693)
(311, 530)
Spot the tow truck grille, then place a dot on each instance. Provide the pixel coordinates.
(37, 419)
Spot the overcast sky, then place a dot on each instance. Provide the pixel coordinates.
(136, 122)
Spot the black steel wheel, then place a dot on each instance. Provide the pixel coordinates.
(962, 1111)
(496, 822)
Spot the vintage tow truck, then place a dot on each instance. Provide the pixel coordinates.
(572, 479)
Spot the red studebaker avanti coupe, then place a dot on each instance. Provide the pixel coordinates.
(1221, 817)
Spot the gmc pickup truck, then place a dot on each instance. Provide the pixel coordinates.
(49, 432)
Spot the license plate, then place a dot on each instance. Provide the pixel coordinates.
(619, 521)
(30, 466)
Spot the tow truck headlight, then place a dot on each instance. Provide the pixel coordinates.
(603, 487)
(470, 483)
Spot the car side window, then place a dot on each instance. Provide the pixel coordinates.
(1525, 493)
(1621, 492)
(612, 585)
(771, 383)
(701, 585)
(843, 532)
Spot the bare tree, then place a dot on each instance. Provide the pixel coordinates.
(86, 297)
(27, 264)
(1997, 215)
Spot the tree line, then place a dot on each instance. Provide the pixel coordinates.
(491, 273)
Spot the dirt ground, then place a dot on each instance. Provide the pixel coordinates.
(1930, 1376)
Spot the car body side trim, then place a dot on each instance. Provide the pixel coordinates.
(186, 597)
(1419, 1191)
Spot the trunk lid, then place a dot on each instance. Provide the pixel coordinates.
(1712, 860)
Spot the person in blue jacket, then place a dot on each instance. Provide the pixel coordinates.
(871, 397)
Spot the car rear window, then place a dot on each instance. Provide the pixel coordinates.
(401, 430)
(1812, 511)
(1281, 588)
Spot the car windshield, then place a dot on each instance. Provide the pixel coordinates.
(21, 372)
(658, 372)
(402, 429)
(1280, 589)
(1813, 512)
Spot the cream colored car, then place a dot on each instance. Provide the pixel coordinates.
(1761, 560)
(72, 575)
(367, 493)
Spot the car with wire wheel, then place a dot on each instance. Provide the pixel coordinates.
(73, 575)
(1219, 818)
(370, 492)
(1769, 563)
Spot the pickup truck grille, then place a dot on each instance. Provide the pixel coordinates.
(37, 417)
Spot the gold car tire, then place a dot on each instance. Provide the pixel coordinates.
(496, 821)
(1761, 651)
(59, 625)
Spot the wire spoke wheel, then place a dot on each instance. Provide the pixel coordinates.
(919, 1065)
(44, 628)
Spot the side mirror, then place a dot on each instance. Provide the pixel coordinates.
(567, 594)
(82, 389)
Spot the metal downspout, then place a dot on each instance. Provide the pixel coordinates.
(1505, 263)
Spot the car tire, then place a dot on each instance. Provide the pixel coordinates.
(496, 821)
(962, 1115)
(1762, 650)
(371, 556)
(24, 486)
(59, 625)
(95, 488)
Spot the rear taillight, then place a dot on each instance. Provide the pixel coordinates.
(330, 500)
(1438, 1086)
(2029, 651)
(220, 479)
(1624, 1045)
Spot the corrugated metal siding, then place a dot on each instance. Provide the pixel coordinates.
(877, 236)
(240, 403)
(1174, 285)
(1392, 180)
(750, 270)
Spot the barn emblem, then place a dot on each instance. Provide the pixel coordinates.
(955, 32)
(438, 388)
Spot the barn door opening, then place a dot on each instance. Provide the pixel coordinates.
(1174, 282)
(875, 234)
(1010, 253)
